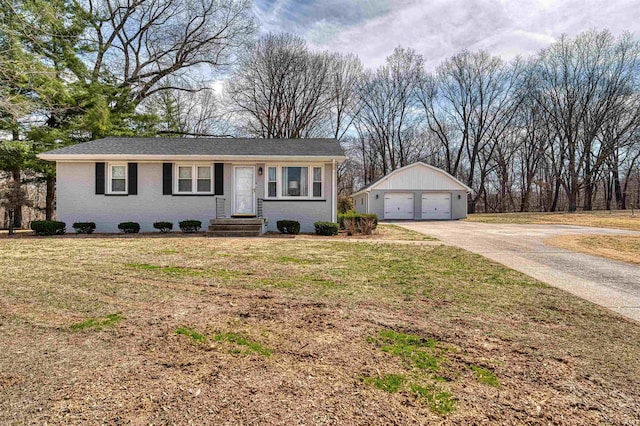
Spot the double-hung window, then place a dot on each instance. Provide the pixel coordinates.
(117, 178)
(272, 182)
(294, 182)
(194, 179)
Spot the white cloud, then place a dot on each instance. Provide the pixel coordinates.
(439, 28)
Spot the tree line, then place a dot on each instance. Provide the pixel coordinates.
(556, 131)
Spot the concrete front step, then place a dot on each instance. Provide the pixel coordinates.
(235, 227)
(237, 221)
(233, 233)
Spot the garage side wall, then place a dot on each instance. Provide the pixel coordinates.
(360, 203)
(458, 206)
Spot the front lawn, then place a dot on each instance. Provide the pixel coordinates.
(280, 331)
(619, 219)
(625, 248)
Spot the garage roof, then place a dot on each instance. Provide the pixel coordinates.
(417, 176)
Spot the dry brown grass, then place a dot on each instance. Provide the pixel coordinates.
(619, 219)
(280, 331)
(625, 248)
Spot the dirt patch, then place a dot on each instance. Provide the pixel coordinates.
(299, 331)
(625, 248)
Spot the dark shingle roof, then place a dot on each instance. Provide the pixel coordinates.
(202, 146)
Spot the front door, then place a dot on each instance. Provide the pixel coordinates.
(244, 200)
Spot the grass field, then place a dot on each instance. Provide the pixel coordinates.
(279, 331)
(620, 247)
(620, 219)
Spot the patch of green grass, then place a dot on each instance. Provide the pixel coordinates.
(240, 340)
(290, 259)
(171, 270)
(389, 383)
(97, 323)
(439, 401)
(485, 376)
(190, 332)
(412, 349)
(168, 251)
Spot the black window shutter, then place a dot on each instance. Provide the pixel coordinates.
(219, 178)
(133, 178)
(100, 178)
(167, 178)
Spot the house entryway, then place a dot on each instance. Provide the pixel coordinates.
(244, 191)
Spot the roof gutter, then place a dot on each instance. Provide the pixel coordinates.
(168, 157)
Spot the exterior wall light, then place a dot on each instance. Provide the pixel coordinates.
(260, 174)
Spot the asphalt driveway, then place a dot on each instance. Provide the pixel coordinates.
(609, 283)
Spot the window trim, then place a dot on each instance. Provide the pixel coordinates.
(194, 179)
(110, 190)
(309, 195)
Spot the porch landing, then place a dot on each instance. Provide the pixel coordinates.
(236, 227)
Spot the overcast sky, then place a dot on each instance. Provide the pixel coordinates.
(439, 28)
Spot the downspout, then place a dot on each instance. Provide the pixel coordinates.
(334, 183)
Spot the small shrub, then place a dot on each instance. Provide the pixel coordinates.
(129, 227)
(163, 227)
(326, 228)
(366, 225)
(288, 226)
(84, 227)
(350, 226)
(358, 218)
(190, 226)
(48, 227)
(345, 204)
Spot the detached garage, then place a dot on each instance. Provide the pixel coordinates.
(414, 192)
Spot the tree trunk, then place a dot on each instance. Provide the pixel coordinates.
(17, 211)
(588, 196)
(620, 201)
(50, 199)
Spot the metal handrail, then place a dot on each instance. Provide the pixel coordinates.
(221, 210)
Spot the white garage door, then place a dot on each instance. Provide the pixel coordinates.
(436, 205)
(398, 205)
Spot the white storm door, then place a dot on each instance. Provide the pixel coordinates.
(244, 200)
(436, 206)
(398, 205)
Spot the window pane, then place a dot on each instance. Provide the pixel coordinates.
(317, 189)
(184, 185)
(272, 189)
(204, 172)
(317, 174)
(184, 172)
(204, 185)
(272, 174)
(117, 185)
(295, 181)
(118, 172)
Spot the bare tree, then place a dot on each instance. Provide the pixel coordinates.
(583, 84)
(283, 90)
(387, 114)
(469, 104)
(189, 114)
(140, 43)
